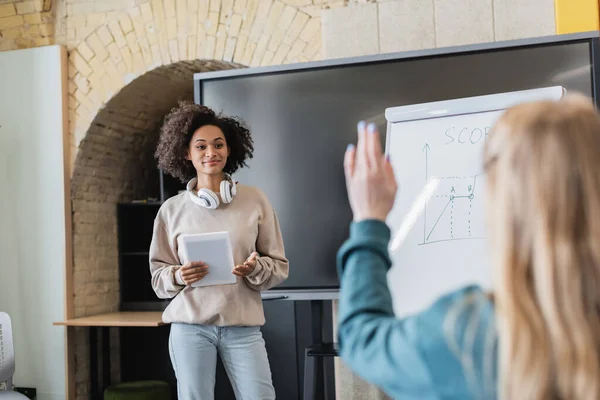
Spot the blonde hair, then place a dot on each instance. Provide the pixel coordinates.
(542, 162)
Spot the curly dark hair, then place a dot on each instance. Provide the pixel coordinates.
(179, 127)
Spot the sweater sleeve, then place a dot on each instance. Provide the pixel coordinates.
(418, 356)
(378, 347)
(272, 266)
(164, 263)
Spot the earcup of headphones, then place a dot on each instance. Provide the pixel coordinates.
(209, 198)
(226, 191)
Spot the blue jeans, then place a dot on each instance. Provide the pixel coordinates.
(194, 348)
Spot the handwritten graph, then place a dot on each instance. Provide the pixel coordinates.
(449, 214)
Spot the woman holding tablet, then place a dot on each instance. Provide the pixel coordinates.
(202, 149)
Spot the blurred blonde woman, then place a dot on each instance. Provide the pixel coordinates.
(538, 335)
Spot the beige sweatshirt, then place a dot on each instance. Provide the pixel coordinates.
(252, 225)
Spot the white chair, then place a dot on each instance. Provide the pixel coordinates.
(7, 359)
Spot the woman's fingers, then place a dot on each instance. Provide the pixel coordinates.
(373, 147)
(349, 158)
(361, 145)
(195, 277)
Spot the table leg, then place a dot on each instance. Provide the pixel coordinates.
(93, 337)
(317, 337)
(105, 357)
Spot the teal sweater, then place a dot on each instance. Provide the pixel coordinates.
(447, 351)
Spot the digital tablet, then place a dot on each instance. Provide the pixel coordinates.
(215, 250)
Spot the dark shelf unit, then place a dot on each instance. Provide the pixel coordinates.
(135, 221)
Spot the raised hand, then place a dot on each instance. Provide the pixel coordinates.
(370, 177)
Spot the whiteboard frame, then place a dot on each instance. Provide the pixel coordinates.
(471, 105)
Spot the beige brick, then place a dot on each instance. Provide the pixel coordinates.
(274, 15)
(191, 47)
(25, 7)
(281, 53)
(267, 59)
(39, 5)
(259, 52)
(85, 51)
(409, 25)
(226, 11)
(200, 41)
(146, 11)
(12, 34)
(298, 3)
(192, 7)
(11, 22)
(80, 8)
(47, 29)
(133, 42)
(156, 54)
(220, 46)
(296, 50)
(111, 70)
(31, 31)
(171, 28)
(117, 33)
(287, 17)
(248, 52)
(192, 22)
(251, 12)
(71, 70)
(97, 46)
(181, 6)
(174, 50)
(209, 47)
(97, 65)
(276, 39)
(32, 19)
(104, 35)
(229, 49)
(312, 28)
(95, 20)
(170, 8)
(73, 103)
(239, 6)
(312, 51)
(234, 27)
(115, 54)
(82, 83)
(296, 27)
(313, 11)
(121, 68)
(147, 56)
(518, 19)
(24, 43)
(77, 22)
(203, 8)
(212, 24)
(80, 64)
(125, 23)
(7, 10)
(47, 17)
(214, 5)
(127, 58)
(71, 86)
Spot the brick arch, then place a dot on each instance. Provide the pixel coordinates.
(114, 164)
(162, 32)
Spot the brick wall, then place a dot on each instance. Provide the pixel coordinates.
(25, 24)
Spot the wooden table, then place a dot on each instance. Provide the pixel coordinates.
(102, 323)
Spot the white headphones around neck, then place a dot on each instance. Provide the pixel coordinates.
(209, 199)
